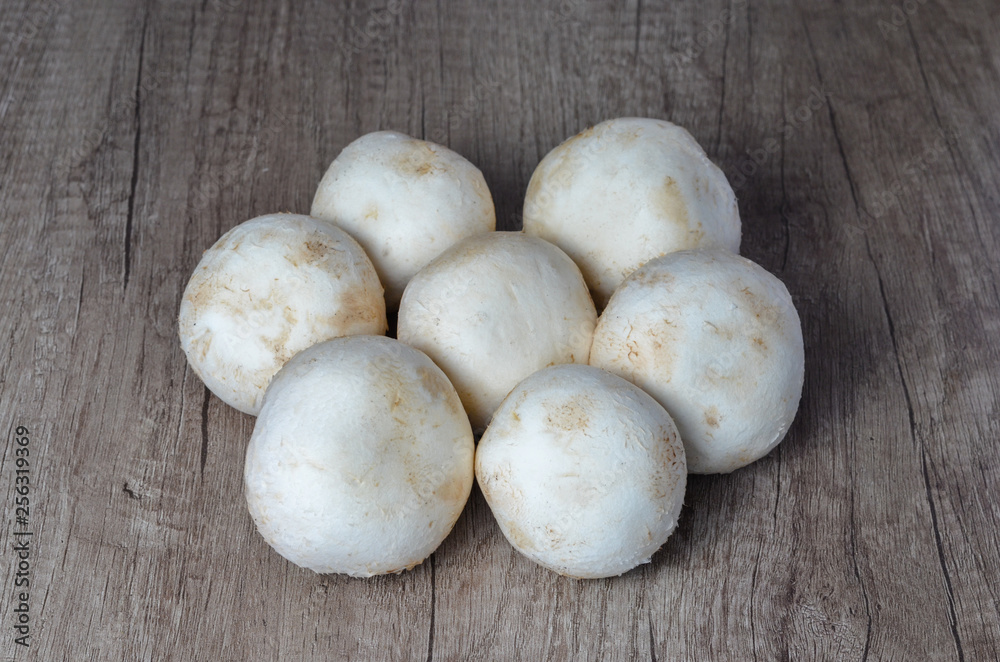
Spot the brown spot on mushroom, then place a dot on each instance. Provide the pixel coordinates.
(278, 346)
(554, 536)
(629, 137)
(452, 491)
(723, 330)
(313, 251)
(665, 460)
(418, 161)
(669, 200)
(712, 417)
(570, 415)
(648, 349)
(207, 291)
(763, 310)
(439, 388)
(647, 277)
(436, 385)
(518, 536)
(358, 309)
(696, 235)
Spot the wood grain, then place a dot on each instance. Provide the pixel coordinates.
(864, 144)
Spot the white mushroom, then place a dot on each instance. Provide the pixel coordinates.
(584, 472)
(268, 288)
(626, 191)
(494, 309)
(361, 460)
(716, 340)
(405, 201)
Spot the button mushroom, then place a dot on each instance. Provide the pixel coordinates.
(583, 471)
(405, 200)
(494, 309)
(361, 459)
(626, 191)
(716, 340)
(268, 288)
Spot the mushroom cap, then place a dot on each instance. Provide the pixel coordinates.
(405, 200)
(492, 310)
(267, 289)
(361, 459)
(717, 341)
(626, 191)
(584, 472)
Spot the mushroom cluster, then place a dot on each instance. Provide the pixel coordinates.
(363, 457)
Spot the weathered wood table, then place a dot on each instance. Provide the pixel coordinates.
(864, 143)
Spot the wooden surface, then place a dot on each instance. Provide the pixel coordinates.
(863, 140)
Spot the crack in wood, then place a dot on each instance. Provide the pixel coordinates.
(857, 576)
(638, 29)
(204, 432)
(430, 636)
(652, 639)
(952, 614)
(131, 493)
(135, 156)
(722, 94)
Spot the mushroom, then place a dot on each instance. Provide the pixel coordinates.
(626, 191)
(361, 459)
(492, 310)
(717, 341)
(268, 288)
(584, 472)
(405, 201)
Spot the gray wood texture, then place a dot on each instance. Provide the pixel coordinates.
(864, 142)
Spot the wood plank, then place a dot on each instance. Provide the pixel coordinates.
(863, 143)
